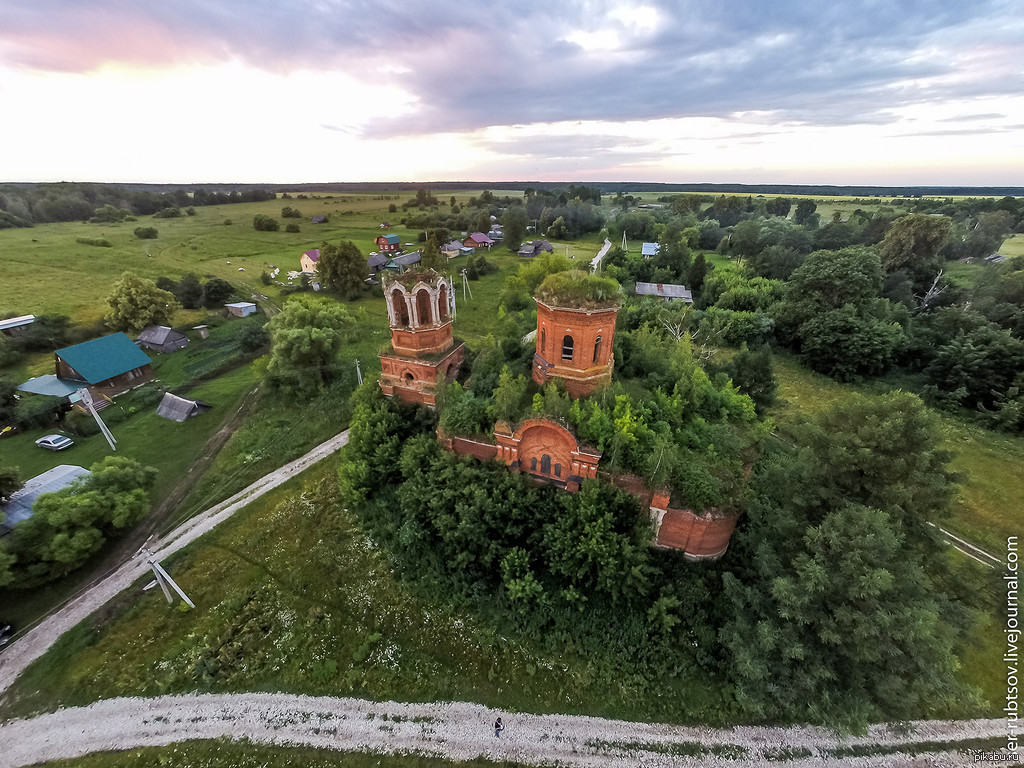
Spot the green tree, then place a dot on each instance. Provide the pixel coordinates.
(745, 238)
(305, 340)
(263, 223)
(216, 292)
(844, 343)
(913, 243)
(508, 396)
(698, 271)
(835, 612)
(515, 219)
(432, 258)
(834, 278)
(975, 367)
(136, 303)
(342, 268)
(189, 291)
(597, 544)
(67, 527)
(7, 561)
(8, 406)
(845, 632)
(752, 374)
(10, 482)
(804, 209)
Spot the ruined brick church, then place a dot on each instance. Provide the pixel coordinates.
(574, 345)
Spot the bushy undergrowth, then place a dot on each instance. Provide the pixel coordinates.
(570, 571)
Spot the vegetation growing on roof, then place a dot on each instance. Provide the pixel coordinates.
(579, 289)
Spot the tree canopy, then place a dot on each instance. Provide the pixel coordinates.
(342, 268)
(305, 339)
(68, 526)
(136, 303)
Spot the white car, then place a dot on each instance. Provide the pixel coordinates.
(55, 442)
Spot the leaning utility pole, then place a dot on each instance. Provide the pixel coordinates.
(86, 398)
(164, 579)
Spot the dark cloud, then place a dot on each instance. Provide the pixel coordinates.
(522, 61)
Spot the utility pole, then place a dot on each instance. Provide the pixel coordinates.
(164, 579)
(359, 374)
(86, 398)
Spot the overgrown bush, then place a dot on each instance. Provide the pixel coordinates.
(262, 223)
(100, 242)
(145, 233)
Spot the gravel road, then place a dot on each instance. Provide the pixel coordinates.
(456, 731)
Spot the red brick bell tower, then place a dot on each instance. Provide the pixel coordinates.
(576, 316)
(422, 353)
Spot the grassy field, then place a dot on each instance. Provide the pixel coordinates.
(292, 596)
(222, 753)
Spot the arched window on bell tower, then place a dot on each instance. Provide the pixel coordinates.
(401, 310)
(543, 341)
(442, 301)
(423, 307)
(567, 347)
(597, 349)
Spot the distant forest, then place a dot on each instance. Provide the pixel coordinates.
(25, 204)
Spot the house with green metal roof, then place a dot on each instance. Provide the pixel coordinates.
(107, 366)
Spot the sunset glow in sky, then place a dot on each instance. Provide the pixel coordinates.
(181, 91)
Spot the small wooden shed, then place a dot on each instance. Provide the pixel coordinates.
(241, 308)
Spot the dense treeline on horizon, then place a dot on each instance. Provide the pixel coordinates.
(606, 187)
(22, 205)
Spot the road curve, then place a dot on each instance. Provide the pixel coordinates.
(455, 731)
(40, 638)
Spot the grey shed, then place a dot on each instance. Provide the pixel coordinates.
(160, 338)
(180, 408)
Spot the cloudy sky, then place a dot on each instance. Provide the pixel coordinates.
(757, 91)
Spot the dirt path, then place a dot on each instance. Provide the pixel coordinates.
(38, 640)
(456, 731)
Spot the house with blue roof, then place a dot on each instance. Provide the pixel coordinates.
(107, 366)
(388, 243)
(19, 506)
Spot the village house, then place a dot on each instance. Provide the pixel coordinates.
(160, 338)
(107, 366)
(478, 240)
(451, 249)
(388, 243)
(241, 308)
(308, 260)
(533, 248)
(403, 262)
(665, 291)
(375, 262)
